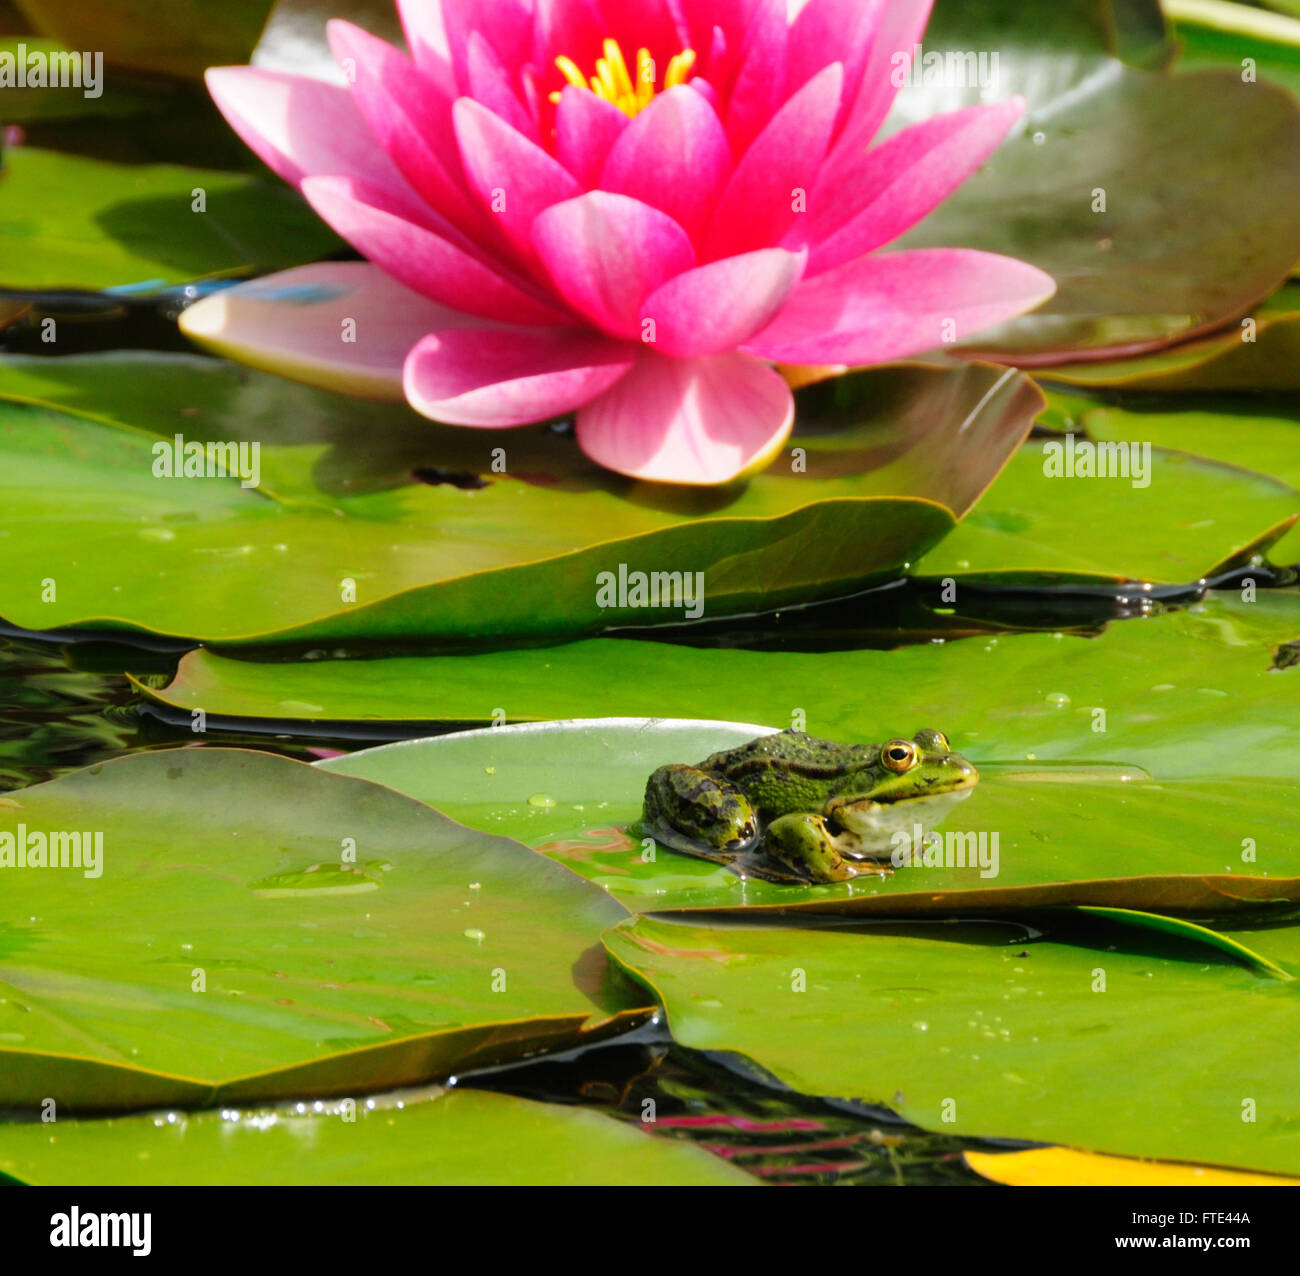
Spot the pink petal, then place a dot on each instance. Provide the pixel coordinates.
(427, 38)
(568, 28)
(674, 156)
(861, 207)
(720, 306)
(490, 84)
(757, 206)
(505, 25)
(760, 81)
(300, 127)
(577, 29)
(606, 253)
(699, 421)
(515, 178)
(393, 237)
(411, 118)
(833, 30)
(502, 377)
(643, 24)
(293, 324)
(586, 126)
(899, 32)
(706, 20)
(897, 304)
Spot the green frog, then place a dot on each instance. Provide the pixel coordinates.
(796, 807)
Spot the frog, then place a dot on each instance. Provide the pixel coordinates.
(796, 807)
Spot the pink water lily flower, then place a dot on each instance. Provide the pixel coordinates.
(633, 209)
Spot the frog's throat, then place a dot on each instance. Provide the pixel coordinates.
(869, 829)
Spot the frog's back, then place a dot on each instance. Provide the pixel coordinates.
(789, 771)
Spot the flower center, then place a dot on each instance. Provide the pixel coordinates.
(615, 83)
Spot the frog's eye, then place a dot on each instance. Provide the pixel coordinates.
(899, 755)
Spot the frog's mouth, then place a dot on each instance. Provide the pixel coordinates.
(870, 827)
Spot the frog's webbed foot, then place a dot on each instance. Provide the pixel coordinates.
(693, 810)
(804, 843)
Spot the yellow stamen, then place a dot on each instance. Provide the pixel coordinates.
(571, 73)
(613, 81)
(679, 69)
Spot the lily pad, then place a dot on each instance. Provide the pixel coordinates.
(461, 1137)
(981, 1030)
(1188, 695)
(437, 542)
(71, 222)
(258, 929)
(1030, 836)
(1261, 353)
(1222, 35)
(178, 37)
(1263, 439)
(1130, 279)
(1169, 517)
(93, 94)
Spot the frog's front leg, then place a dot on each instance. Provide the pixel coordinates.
(805, 844)
(694, 809)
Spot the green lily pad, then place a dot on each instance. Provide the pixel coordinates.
(981, 1030)
(1130, 278)
(1263, 439)
(1260, 438)
(457, 1137)
(94, 95)
(169, 37)
(1038, 518)
(258, 929)
(1223, 35)
(1030, 836)
(66, 221)
(1188, 695)
(1262, 353)
(436, 542)
(1185, 929)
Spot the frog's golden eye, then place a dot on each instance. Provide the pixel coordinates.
(899, 756)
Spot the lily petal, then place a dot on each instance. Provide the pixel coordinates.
(490, 84)
(698, 421)
(426, 36)
(760, 79)
(292, 324)
(411, 118)
(577, 29)
(394, 238)
(300, 127)
(510, 376)
(720, 306)
(606, 253)
(758, 205)
(513, 176)
(899, 31)
(674, 156)
(586, 127)
(834, 30)
(893, 305)
(871, 202)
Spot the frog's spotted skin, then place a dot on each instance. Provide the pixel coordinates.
(796, 806)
